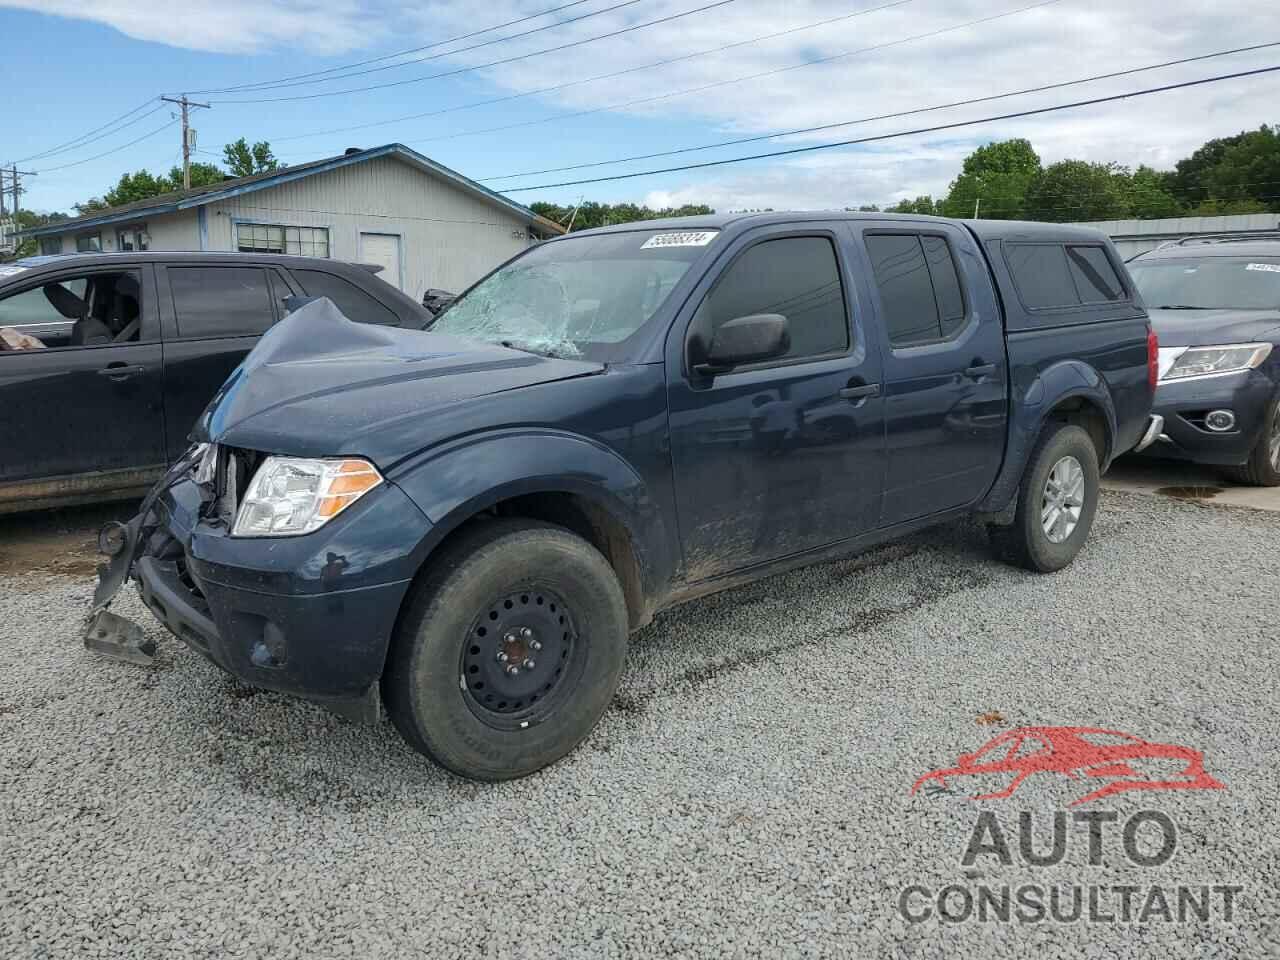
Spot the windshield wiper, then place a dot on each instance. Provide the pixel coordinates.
(1180, 306)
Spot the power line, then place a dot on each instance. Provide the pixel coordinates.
(602, 76)
(902, 133)
(741, 79)
(87, 138)
(447, 53)
(108, 153)
(888, 116)
(492, 63)
(391, 56)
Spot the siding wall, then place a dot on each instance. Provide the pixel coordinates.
(449, 239)
(176, 231)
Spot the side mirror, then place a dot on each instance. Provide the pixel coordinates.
(761, 336)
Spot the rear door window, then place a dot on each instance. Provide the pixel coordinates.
(919, 287)
(354, 303)
(221, 301)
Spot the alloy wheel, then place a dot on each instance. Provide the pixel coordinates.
(1062, 500)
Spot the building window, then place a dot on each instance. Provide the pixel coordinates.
(89, 243)
(277, 238)
(134, 238)
(50, 245)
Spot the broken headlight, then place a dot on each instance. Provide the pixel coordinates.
(289, 496)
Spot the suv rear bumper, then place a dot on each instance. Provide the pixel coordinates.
(276, 612)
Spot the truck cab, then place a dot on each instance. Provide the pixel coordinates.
(465, 523)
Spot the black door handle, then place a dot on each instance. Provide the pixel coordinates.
(980, 370)
(120, 371)
(865, 390)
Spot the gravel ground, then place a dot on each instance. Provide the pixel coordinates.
(749, 794)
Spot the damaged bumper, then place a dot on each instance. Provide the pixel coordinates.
(310, 616)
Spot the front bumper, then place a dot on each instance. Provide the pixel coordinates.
(1183, 406)
(310, 616)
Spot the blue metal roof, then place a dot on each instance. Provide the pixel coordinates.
(212, 193)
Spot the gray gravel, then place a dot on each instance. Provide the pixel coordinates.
(748, 794)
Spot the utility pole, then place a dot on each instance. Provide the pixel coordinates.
(977, 203)
(186, 135)
(15, 187)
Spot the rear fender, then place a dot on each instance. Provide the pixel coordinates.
(455, 483)
(1033, 399)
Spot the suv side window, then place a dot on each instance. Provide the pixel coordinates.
(221, 301)
(919, 287)
(798, 277)
(354, 303)
(86, 310)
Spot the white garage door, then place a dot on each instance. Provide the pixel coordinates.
(384, 250)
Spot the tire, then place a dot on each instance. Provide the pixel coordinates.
(1026, 543)
(497, 580)
(1262, 469)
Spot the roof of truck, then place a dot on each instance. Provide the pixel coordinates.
(1028, 230)
(984, 229)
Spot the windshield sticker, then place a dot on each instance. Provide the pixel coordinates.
(698, 239)
(11, 271)
(1269, 267)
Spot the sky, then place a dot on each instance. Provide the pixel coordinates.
(71, 66)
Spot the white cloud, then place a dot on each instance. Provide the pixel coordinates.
(1066, 40)
(227, 26)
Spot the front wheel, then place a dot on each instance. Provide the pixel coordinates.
(509, 651)
(1262, 469)
(1057, 501)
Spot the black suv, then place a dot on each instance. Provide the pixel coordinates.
(106, 360)
(1215, 304)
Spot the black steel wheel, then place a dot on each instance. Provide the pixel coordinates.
(508, 651)
(520, 657)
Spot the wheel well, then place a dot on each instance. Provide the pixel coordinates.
(1089, 416)
(588, 520)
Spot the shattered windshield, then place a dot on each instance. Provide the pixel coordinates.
(580, 297)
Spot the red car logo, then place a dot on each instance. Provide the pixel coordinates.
(1125, 761)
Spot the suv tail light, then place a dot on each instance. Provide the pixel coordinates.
(1153, 358)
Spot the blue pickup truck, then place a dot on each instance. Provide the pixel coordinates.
(464, 525)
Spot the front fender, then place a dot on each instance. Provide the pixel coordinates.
(1034, 395)
(453, 483)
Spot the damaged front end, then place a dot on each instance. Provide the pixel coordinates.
(125, 544)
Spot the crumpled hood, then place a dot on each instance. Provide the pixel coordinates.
(318, 384)
(1196, 328)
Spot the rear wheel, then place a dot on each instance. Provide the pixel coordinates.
(1057, 501)
(509, 651)
(1262, 469)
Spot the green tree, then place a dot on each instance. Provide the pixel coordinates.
(592, 214)
(142, 185)
(202, 174)
(244, 160)
(1078, 190)
(994, 178)
(27, 219)
(923, 204)
(1247, 169)
(1148, 194)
